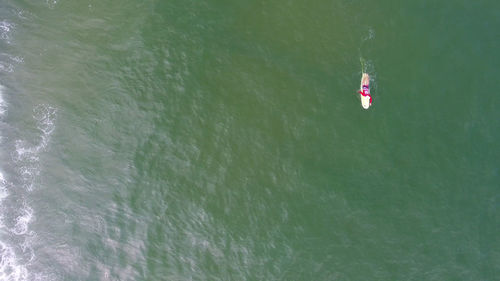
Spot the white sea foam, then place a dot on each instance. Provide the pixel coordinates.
(10, 269)
(5, 29)
(28, 155)
(16, 238)
(51, 3)
(22, 222)
(3, 104)
(371, 33)
(45, 116)
(15, 258)
(26, 246)
(25, 152)
(3, 185)
(8, 62)
(3, 194)
(6, 67)
(17, 59)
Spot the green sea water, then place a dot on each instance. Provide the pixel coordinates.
(224, 140)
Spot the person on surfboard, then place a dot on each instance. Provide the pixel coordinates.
(366, 98)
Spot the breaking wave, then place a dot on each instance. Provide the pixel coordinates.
(16, 252)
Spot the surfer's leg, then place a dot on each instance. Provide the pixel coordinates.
(365, 80)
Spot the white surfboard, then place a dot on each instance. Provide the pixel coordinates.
(365, 100)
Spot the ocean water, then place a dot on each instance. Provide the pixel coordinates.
(224, 140)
